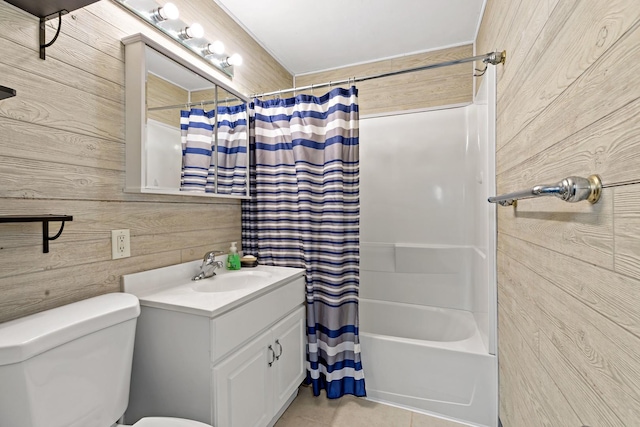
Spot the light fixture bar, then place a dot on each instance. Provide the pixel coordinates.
(191, 36)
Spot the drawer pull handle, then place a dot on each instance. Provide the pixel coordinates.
(273, 354)
(279, 345)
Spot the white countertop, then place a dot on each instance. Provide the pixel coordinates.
(171, 288)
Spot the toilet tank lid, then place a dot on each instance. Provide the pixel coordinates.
(23, 338)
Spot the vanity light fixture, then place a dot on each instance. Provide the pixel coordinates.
(215, 48)
(195, 31)
(167, 12)
(233, 60)
(166, 19)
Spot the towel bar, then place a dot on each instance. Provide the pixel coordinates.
(571, 189)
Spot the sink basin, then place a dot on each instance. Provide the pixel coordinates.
(232, 281)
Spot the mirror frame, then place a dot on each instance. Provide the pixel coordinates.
(135, 114)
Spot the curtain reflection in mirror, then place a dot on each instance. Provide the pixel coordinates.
(199, 154)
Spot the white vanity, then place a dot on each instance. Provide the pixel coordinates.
(228, 351)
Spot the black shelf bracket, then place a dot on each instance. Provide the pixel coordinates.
(49, 9)
(44, 219)
(43, 32)
(6, 92)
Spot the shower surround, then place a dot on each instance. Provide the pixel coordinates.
(427, 288)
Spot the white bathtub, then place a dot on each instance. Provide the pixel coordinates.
(428, 359)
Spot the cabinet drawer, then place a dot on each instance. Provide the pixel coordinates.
(233, 328)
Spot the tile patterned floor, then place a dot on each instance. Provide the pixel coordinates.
(349, 411)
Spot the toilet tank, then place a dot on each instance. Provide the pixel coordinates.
(69, 366)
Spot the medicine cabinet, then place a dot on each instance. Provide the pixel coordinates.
(186, 132)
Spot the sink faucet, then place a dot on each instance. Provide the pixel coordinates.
(209, 265)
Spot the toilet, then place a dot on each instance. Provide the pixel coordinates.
(71, 366)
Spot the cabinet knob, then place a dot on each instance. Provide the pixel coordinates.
(280, 353)
(273, 354)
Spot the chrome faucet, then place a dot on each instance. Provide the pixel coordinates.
(209, 265)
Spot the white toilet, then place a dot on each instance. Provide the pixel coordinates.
(71, 366)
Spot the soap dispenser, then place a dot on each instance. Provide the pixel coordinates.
(233, 260)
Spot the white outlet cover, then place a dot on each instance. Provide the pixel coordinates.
(120, 244)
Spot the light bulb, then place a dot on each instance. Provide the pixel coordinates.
(195, 31)
(215, 48)
(171, 11)
(234, 59)
(168, 11)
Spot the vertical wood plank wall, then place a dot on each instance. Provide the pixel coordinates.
(423, 89)
(568, 275)
(62, 151)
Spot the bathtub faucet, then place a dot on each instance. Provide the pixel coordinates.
(209, 265)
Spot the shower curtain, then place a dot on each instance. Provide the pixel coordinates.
(198, 157)
(232, 150)
(304, 212)
(196, 132)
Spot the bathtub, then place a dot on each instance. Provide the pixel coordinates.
(428, 359)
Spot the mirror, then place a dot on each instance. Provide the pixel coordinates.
(187, 133)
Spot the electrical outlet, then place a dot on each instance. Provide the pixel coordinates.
(120, 244)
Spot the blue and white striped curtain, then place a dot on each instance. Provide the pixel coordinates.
(198, 158)
(304, 212)
(196, 132)
(232, 149)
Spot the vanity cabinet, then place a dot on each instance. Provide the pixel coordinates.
(233, 359)
(254, 384)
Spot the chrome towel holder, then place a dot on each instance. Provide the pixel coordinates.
(571, 189)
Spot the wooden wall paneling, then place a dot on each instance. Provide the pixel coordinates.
(197, 252)
(208, 95)
(30, 293)
(608, 147)
(596, 27)
(614, 296)
(93, 219)
(87, 239)
(568, 104)
(574, 109)
(520, 41)
(541, 21)
(25, 178)
(424, 89)
(582, 395)
(22, 28)
(627, 229)
(74, 109)
(24, 61)
(24, 140)
(586, 340)
(538, 400)
(162, 93)
(35, 179)
(87, 252)
(582, 230)
(90, 30)
(517, 306)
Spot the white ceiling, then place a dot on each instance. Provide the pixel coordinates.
(313, 35)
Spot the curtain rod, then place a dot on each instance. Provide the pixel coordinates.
(191, 104)
(493, 58)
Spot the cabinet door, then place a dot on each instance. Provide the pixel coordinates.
(289, 344)
(242, 384)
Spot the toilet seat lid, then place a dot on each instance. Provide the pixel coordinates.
(168, 422)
